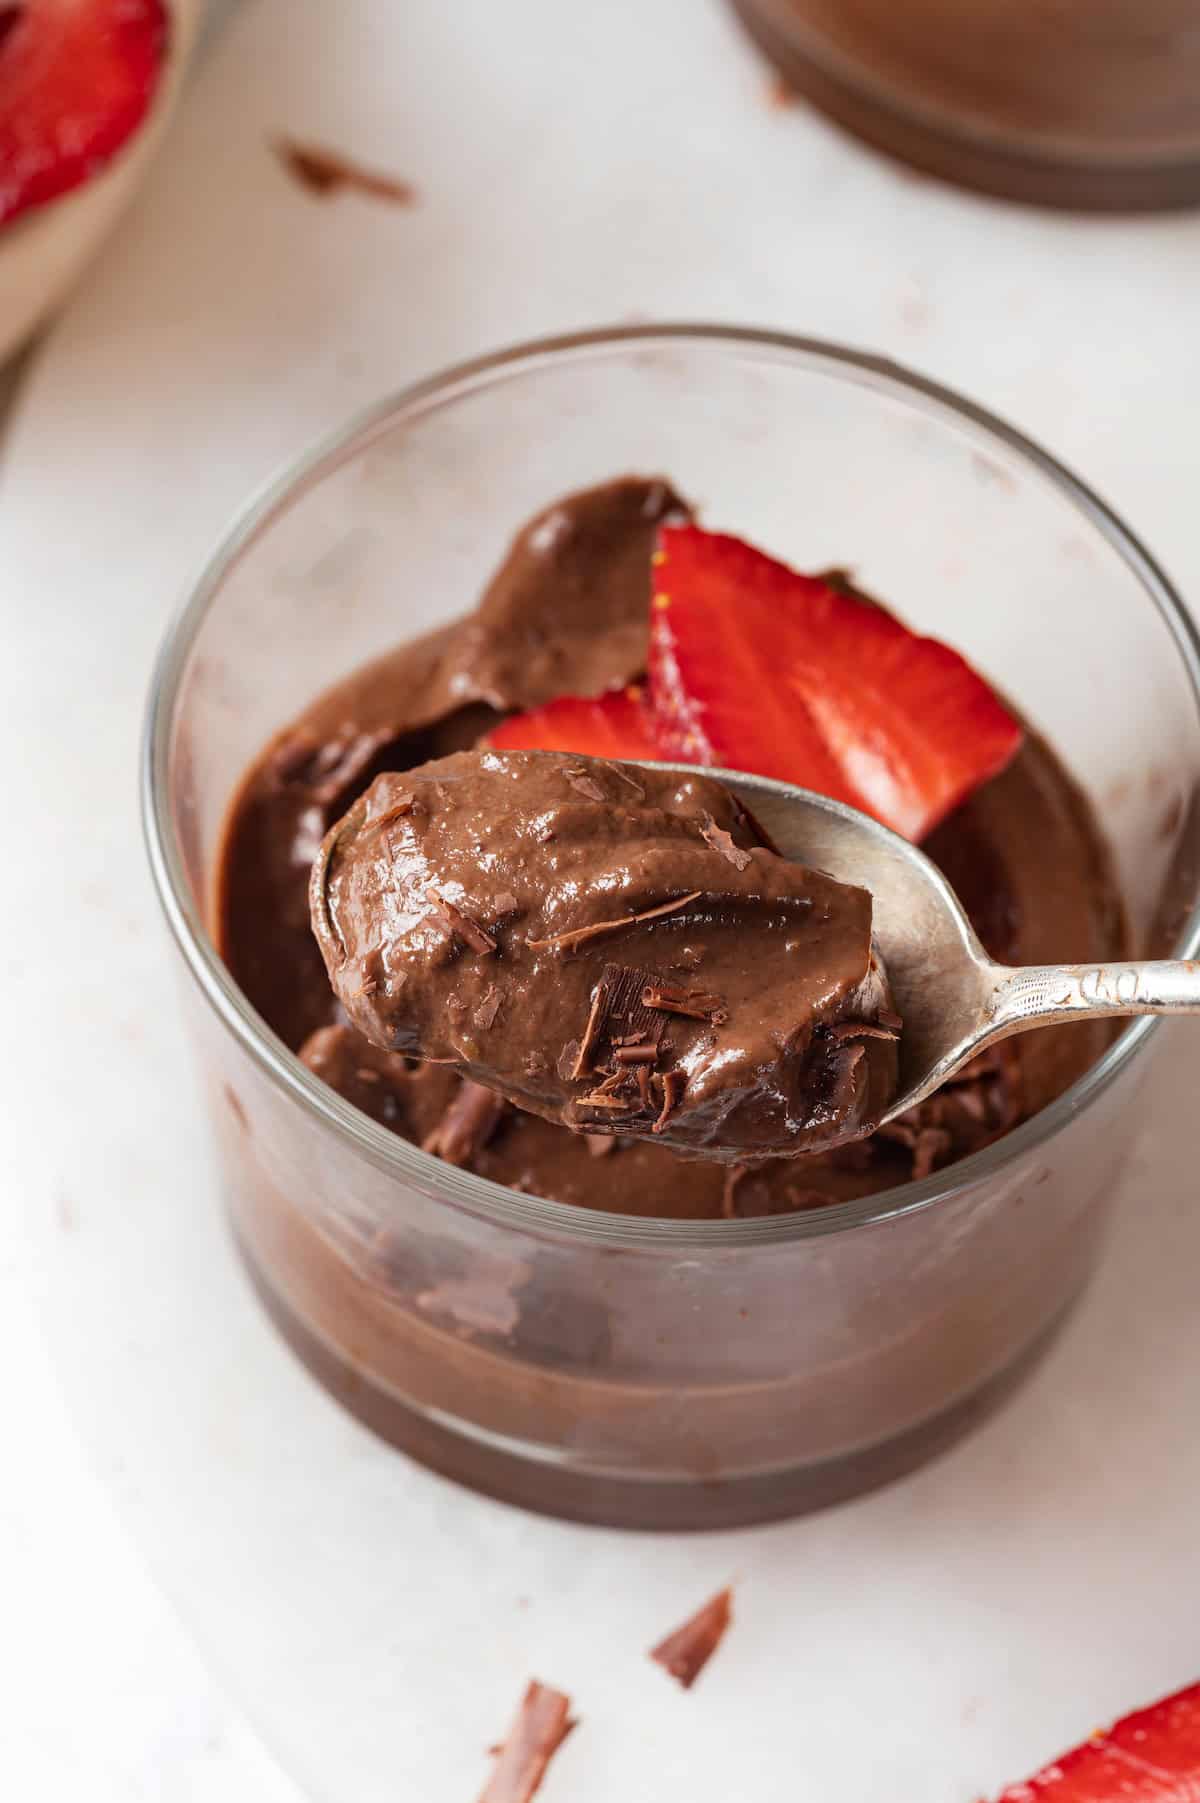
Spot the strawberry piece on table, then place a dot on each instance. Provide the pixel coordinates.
(76, 80)
(613, 725)
(758, 668)
(1152, 1756)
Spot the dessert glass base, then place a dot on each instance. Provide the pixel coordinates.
(643, 1371)
(1096, 114)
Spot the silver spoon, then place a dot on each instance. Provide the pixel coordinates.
(953, 998)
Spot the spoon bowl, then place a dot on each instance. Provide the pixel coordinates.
(954, 1000)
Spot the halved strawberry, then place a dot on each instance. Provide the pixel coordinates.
(758, 668)
(1152, 1756)
(76, 80)
(612, 725)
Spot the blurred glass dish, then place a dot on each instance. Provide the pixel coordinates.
(1082, 103)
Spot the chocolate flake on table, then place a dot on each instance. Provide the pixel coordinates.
(578, 935)
(696, 1004)
(485, 1015)
(468, 930)
(687, 1651)
(673, 1085)
(582, 1064)
(539, 1728)
(467, 1124)
(323, 172)
(721, 841)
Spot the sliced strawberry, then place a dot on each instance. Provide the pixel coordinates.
(1152, 1756)
(76, 80)
(612, 725)
(758, 668)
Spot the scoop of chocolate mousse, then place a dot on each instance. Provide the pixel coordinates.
(610, 946)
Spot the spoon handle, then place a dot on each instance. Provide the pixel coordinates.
(1042, 993)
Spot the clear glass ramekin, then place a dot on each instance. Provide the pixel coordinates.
(647, 1372)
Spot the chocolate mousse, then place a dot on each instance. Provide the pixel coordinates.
(566, 615)
(611, 947)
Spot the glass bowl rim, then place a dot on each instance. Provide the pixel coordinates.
(480, 1196)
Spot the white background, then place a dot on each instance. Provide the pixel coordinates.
(174, 1482)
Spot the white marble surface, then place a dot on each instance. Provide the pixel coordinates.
(178, 1482)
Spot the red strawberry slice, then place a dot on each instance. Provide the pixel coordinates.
(76, 80)
(1152, 1756)
(758, 668)
(613, 725)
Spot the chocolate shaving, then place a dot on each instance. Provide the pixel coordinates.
(467, 1124)
(929, 1145)
(506, 902)
(600, 1098)
(539, 1728)
(644, 1092)
(636, 1054)
(721, 841)
(673, 1085)
(860, 1029)
(626, 1019)
(614, 1081)
(582, 1064)
(626, 778)
(694, 1003)
(585, 785)
(468, 930)
(687, 1651)
(397, 811)
(485, 1015)
(578, 935)
(323, 172)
